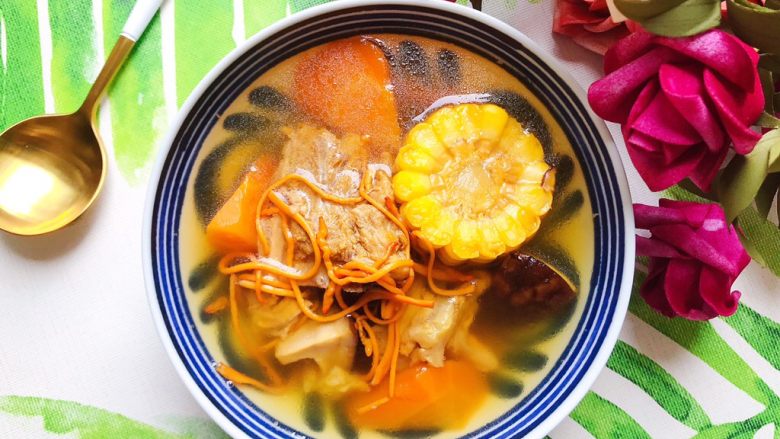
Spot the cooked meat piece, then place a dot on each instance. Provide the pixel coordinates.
(427, 334)
(430, 330)
(357, 232)
(525, 280)
(275, 316)
(328, 344)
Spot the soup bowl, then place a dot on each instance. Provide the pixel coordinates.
(603, 306)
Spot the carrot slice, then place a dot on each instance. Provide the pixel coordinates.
(426, 397)
(346, 85)
(233, 227)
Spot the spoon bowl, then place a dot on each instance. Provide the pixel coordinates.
(51, 170)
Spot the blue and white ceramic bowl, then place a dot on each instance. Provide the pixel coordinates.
(604, 305)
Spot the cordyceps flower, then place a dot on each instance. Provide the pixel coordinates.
(681, 102)
(695, 256)
(589, 24)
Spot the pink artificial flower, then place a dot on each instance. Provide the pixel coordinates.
(695, 256)
(589, 24)
(681, 102)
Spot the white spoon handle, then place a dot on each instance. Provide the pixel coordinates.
(139, 18)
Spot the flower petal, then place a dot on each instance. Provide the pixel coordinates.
(645, 142)
(601, 26)
(654, 168)
(737, 110)
(684, 89)
(598, 6)
(720, 51)
(681, 285)
(626, 50)
(652, 290)
(693, 244)
(661, 121)
(721, 235)
(613, 96)
(570, 16)
(708, 168)
(643, 100)
(714, 288)
(694, 213)
(646, 216)
(655, 248)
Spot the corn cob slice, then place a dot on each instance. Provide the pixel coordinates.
(473, 182)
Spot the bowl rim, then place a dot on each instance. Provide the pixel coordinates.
(599, 361)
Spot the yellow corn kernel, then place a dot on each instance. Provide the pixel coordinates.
(469, 117)
(420, 210)
(409, 185)
(465, 243)
(534, 198)
(509, 230)
(533, 173)
(447, 125)
(529, 222)
(491, 245)
(530, 148)
(416, 159)
(492, 122)
(517, 142)
(440, 228)
(424, 138)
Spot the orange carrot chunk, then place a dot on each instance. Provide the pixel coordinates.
(233, 227)
(346, 85)
(426, 397)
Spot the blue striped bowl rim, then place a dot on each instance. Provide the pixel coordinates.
(596, 332)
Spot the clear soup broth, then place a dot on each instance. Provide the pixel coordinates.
(434, 352)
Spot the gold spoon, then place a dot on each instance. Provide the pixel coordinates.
(52, 167)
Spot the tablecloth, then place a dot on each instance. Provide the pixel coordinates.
(79, 354)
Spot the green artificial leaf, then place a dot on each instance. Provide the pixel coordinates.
(757, 25)
(766, 120)
(691, 187)
(689, 18)
(740, 181)
(639, 10)
(763, 237)
(751, 250)
(673, 18)
(767, 193)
